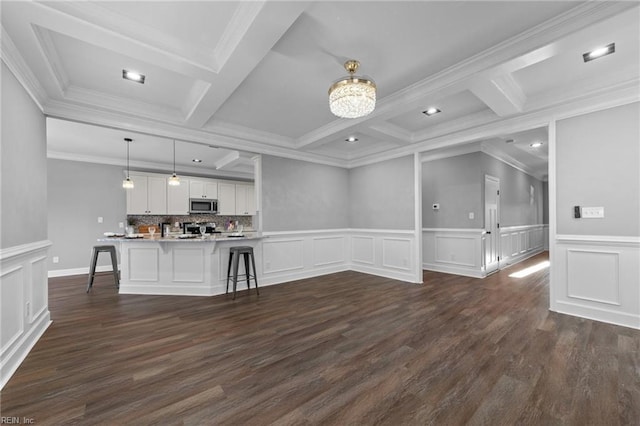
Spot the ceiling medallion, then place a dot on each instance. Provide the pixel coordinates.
(352, 96)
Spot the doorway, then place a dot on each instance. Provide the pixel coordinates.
(491, 223)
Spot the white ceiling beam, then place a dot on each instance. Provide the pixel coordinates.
(229, 160)
(388, 132)
(532, 46)
(271, 23)
(502, 94)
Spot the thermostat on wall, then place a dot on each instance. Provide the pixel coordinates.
(436, 206)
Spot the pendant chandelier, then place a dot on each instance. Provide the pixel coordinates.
(127, 183)
(174, 180)
(352, 96)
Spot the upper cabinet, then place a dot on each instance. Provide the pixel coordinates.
(178, 197)
(245, 200)
(148, 195)
(203, 188)
(226, 198)
(152, 195)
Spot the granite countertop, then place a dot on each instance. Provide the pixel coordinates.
(176, 238)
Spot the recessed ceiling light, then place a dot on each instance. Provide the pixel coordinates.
(197, 160)
(599, 52)
(351, 139)
(431, 111)
(133, 76)
(536, 145)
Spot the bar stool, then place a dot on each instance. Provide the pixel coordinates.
(94, 260)
(234, 257)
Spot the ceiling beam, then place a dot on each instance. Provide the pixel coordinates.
(502, 94)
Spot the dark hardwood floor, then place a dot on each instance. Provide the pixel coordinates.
(343, 349)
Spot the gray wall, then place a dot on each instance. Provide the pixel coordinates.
(382, 195)
(79, 193)
(598, 165)
(516, 206)
(545, 202)
(23, 171)
(457, 184)
(298, 195)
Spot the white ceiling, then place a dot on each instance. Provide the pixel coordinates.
(252, 76)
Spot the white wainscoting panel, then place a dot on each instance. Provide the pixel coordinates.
(593, 275)
(363, 250)
(596, 277)
(24, 308)
(148, 256)
(328, 250)
(282, 255)
(396, 253)
(454, 251)
(188, 264)
(294, 255)
(518, 243)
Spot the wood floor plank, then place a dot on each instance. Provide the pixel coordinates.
(342, 349)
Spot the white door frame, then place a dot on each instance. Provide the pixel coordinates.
(492, 236)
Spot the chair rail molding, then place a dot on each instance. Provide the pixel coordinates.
(596, 277)
(24, 305)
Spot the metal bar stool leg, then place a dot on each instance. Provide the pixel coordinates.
(246, 270)
(92, 268)
(114, 265)
(235, 273)
(255, 275)
(229, 270)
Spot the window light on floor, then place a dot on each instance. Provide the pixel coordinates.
(530, 270)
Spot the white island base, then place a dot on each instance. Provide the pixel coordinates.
(193, 267)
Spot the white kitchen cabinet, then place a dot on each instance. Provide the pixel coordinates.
(178, 197)
(203, 188)
(148, 195)
(226, 198)
(245, 200)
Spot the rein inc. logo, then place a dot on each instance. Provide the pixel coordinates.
(5, 420)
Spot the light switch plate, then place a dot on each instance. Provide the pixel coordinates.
(471, 215)
(592, 212)
(100, 219)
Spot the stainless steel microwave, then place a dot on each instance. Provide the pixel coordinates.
(199, 205)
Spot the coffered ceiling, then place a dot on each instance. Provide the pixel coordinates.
(252, 76)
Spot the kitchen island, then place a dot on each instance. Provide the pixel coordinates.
(180, 266)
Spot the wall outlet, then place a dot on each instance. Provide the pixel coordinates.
(56, 259)
(472, 215)
(592, 212)
(100, 219)
(120, 225)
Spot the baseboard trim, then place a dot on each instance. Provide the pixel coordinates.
(473, 273)
(598, 314)
(77, 271)
(386, 273)
(275, 278)
(17, 355)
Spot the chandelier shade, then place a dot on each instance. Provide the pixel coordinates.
(127, 183)
(352, 96)
(174, 180)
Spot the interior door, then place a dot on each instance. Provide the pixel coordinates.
(491, 223)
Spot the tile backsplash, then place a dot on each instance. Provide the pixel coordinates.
(220, 221)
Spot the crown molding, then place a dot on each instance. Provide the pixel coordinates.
(462, 73)
(469, 121)
(453, 152)
(111, 23)
(19, 68)
(53, 62)
(613, 96)
(100, 100)
(246, 133)
(116, 120)
(509, 160)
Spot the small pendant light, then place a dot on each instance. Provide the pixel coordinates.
(127, 183)
(174, 180)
